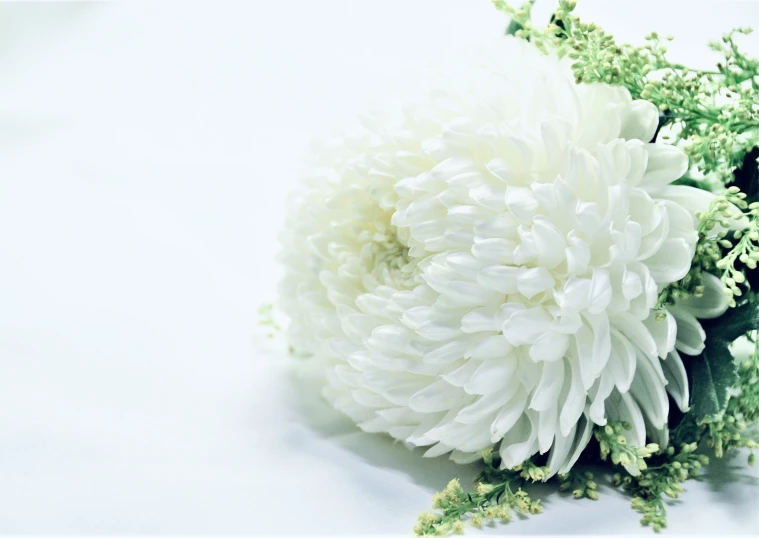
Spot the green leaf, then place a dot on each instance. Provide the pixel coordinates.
(714, 371)
(733, 324)
(513, 27)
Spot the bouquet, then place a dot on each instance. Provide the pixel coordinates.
(542, 261)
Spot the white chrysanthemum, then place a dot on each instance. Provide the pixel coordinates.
(481, 269)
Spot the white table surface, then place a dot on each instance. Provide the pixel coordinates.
(145, 153)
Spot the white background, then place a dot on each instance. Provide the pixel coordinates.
(145, 153)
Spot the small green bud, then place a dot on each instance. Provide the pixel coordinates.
(476, 521)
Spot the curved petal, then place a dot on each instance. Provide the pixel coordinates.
(690, 334)
(622, 406)
(639, 120)
(519, 443)
(508, 416)
(439, 396)
(492, 375)
(677, 380)
(548, 390)
(585, 430)
(648, 390)
(622, 361)
(658, 435)
(485, 405)
(562, 444)
(437, 450)
(664, 332)
(574, 403)
(666, 163)
(671, 262)
(598, 394)
(547, 423)
(712, 304)
(465, 458)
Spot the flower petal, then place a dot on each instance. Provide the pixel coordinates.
(639, 120)
(690, 334)
(677, 380)
(666, 163)
(712, 304)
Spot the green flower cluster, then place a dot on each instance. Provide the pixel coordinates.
(661, 479)
(612, 441)
(581, 484)
(745, 250)
(497, 494)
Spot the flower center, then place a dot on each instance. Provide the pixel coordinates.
(382, 253)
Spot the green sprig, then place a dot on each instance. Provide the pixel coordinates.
(662, 479)
(266, 319)
(581, 483)
(497, 494)
(612, 442)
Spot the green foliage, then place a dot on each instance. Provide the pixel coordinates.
(612, 442)
(497, 494)
(668, 469)
(714, 371)
(663, 477)
(266, 319)
(727, 432)
(743, 253)
(581, 483)
(714, 374)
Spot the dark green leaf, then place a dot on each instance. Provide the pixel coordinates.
(733, 324)
(714, 372)
(513, 27)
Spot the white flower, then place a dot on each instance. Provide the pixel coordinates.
(481, 269)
